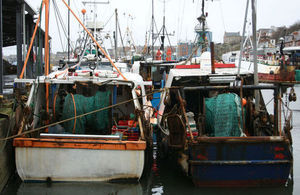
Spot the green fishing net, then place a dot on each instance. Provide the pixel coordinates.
(97, 122)
(223, 115)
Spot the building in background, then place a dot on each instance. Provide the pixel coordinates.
(232, 38)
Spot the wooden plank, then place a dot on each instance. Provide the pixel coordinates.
(80, 144)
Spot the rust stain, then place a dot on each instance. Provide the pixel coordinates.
(279, 156)
(201, 157)
(279, 149)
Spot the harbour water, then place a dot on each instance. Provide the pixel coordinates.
(163, 177)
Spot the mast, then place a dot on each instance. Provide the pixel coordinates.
(68, 32)
(94, 3)
(203, 25)
(242, 41)
(47, 51)
(95, 35)
(116, 35)
(152, 29)
(255, 53)
(202, 19)
(163, 33)
(24, 33)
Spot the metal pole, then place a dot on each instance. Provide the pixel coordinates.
(152, 30)
(95, 35)
(242, 41)
(203, 26)
(19, 38)
(276, 96)
(24, 35)
(1, 45)
(46, 53)
(116, 36)
(163, 33)
(255, 53)
(68, 32)
(212, 56)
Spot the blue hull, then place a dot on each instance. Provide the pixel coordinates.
(251, 161)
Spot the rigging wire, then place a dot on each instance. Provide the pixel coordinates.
(61, 22)
(60, 18)
(180, 22)
(222, 15)
(108, 20)
(75, 4)
(59, 33)
(122, 42)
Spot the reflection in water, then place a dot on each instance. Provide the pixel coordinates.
(79, 188)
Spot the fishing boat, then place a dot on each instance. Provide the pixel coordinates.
(218, 135)
(104, 145)
(217, 125)
(79, 124)
(285, 70)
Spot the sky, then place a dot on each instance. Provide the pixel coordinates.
(223, 15)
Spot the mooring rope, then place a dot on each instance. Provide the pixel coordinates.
(79, 116)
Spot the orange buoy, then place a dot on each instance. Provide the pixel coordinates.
(83, 11)
(244, 101)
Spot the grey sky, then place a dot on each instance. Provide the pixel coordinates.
(223, 15)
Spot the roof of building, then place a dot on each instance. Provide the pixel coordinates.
(265, 30)
(9, 20)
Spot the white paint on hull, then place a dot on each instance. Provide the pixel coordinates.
(62, 164)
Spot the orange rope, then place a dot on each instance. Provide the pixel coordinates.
(46, 2)
(47, 50)
(74, 113)
(102, 50)
(46, 36)
(31, 43)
